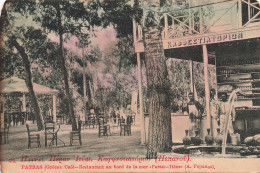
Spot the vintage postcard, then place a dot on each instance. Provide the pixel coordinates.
(130, 86)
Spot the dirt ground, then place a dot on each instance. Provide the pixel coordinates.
(92, 145)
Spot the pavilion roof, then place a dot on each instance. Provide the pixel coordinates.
(16, 85)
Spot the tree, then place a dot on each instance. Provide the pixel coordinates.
(158, 86)
(30, 43)
(29, 84)
(67, 18)
(157, 77)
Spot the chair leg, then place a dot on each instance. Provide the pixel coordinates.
(38, 141)
(29, 143)
(71, 138)
(56, 138)
(5, 138)
(80, 142)
(108, 130)
(46, 140)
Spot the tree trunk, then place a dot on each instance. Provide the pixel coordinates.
(64, 71)
(3, 18)
(29, 84)
(159, 132)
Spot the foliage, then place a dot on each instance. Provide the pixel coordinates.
(113, 81)
(179, 75)
(120, 15)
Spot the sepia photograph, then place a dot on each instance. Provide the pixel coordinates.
(130, 86)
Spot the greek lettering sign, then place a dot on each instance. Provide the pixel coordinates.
(210, 38)
(205, 40)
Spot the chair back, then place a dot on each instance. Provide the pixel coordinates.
(31, 127)
(101, 120)
(49, 127)
(79, 126)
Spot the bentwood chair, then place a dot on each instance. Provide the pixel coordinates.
(4, 133)
(49, 132)
(125, 127)
(76, 135)
(103, 128)
(33, 137)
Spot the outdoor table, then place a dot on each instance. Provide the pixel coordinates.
(54, 135)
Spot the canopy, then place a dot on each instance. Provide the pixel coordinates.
(15, 84)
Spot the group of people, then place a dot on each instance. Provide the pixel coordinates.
(117, 113)
(219, 111)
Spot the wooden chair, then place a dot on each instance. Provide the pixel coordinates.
(114, 124)
(102, 127)
(49, 132)
(126, 126)
(33, 137)
(90, 121)
(76, 135)
(4, 134)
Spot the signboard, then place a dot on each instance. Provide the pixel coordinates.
(225, 36)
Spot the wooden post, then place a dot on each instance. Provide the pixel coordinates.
(201, 23)
(191, 76)
(54, 107)
(2, 113)
(143, 140)
(24, 103)
(165, 26)
(207, 92)
(140, 34)
(249, 9)
(189, 19)
(239, 12)
(84, 83)
(134, 30)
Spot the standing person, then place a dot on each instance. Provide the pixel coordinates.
(214, 111)
(117, 112)
(224, 112)
(195, 111)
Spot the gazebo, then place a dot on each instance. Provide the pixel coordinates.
(14, 85)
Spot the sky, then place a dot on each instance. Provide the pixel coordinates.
(103, 36)
(1, 5)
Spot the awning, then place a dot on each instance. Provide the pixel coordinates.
(15, 84)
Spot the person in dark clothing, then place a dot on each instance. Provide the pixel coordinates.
(195, 111)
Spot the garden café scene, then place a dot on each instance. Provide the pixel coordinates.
(108, 108)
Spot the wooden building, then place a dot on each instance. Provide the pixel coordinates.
(224, 33)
